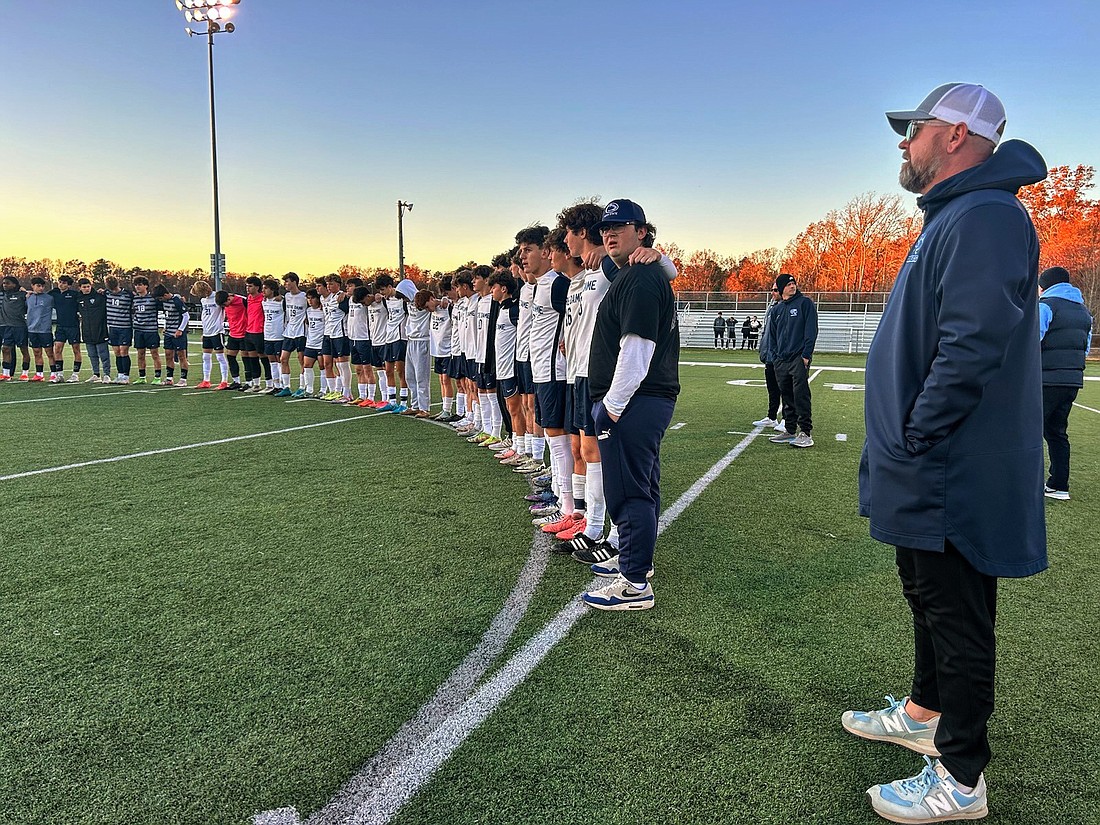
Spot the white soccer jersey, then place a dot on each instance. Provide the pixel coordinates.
(213, 317)
(335, 316)
(458, 316)
(295, 314)
(505, 341)
(418, 322)
(523, 329)
(396, 319)
(315, 327)
(376, 313)
(584, 321)
(358, 322)
(547, 362)
(441, 330)
(481, 328)
(469, 327)
(572, 310)
(273, 319)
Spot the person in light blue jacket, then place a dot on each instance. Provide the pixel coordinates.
(951, 468)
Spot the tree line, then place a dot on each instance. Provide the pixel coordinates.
(856, 248)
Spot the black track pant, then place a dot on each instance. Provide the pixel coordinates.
(793, 378)
(1057, 403)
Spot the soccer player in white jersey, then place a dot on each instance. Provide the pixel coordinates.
(274, 322)
(548, 368)
(315, 335)
(465, 310)
(503, 289)
(532, 447)
(481, 303)
(394, 343)
(440, 337)
(213, 326)
(334, 347)
(418, 355)
(294, 331)
(457, 370)
(362, 298)
(377, 317)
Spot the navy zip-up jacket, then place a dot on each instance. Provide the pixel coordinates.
(954, 406)
(792, 332)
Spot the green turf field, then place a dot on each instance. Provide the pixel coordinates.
(200, 635)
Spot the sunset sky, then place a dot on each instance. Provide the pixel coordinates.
(733, 124)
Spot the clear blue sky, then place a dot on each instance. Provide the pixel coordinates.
(734, 124)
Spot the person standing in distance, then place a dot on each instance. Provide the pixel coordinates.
(792, 336)
(950, 469)
(633, 379)
(1065, 334)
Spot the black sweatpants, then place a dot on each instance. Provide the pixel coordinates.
(954, 612)
(1057, 403)
(774, 397)
(793, 378)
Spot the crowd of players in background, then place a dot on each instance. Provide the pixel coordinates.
(508, 343)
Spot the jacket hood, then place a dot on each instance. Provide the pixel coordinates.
(1011, 166)
(1067, 292)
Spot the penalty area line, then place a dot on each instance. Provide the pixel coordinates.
(380, 798)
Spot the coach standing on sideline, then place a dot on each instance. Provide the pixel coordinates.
(1065, 332)
(633, 378)
(951, 468)
(792, 336)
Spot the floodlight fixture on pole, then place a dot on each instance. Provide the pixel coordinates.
(215, 14)
(401, 207)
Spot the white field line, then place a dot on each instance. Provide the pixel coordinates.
(213, 443)
(73, 397)
(817, 372)
(761, 366)
(1083, 407)
(379, 792)
(678, 426)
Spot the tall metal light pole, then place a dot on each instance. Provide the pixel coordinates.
(215, 14)
(401, 207)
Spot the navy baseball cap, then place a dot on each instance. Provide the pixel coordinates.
(621, 211)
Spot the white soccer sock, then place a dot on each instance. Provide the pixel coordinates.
(276, 374)
(578, 486)
(305, 380)
(223, 365)
(405, 396)
(448, 401)
(460, 404)
(207, 363)
(538, 448)
(613, 536)
(345, 374)
(594, 500)
(383, 386)
(363, 392)
(561, 463)
(370, 392)
(492, 417)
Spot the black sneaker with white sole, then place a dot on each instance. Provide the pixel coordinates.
(594, 555)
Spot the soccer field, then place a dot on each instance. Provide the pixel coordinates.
(218, 607)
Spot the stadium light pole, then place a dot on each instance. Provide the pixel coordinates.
(401, 207)
(215, 14)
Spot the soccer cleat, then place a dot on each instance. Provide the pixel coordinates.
(803, 439)
(571, 533)
(74, 379)
(540, 496)
(544, 508)
(504, 455)
(1059, 495)
(366, 403)
(544, 480)
(157, 382)
(203, 385)
(223, 386)
(273, 391)
(26, 376)
(182, 383)
(234, 385)
(502, 445)
(477, 437)
(489, 443)
(582, 544)
(140, 380)
(399, 408)
(514, 461)
(565, 522)
(95, 379)
(547, 519)
(37, 378)
(5, 378)
(284, 392)
(620, 595)
(610, 568)
(932, 795)
(168, 382)
(389, 406)
(765, 422)
(783, 438)
(893, 724)
(528, 467)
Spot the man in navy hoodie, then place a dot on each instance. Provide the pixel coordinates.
(1065, 334)
(951, 467)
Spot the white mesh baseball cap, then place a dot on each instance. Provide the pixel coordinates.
(968, 103)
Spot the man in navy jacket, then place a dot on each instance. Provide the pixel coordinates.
(952, 465)
(791, 337)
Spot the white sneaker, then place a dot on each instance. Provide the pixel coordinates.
(802, 440)
(93, 380)
(182, 382)
(932, 795)
(1059, 495)
(765, 422)
(780, 427)
(620, 595)
(73, 379)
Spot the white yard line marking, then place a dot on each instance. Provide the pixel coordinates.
(1083, 407)
(817, 372)
(678, 426)
(117, 458)
(375, 795)
(761, 366)
(73, 397)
